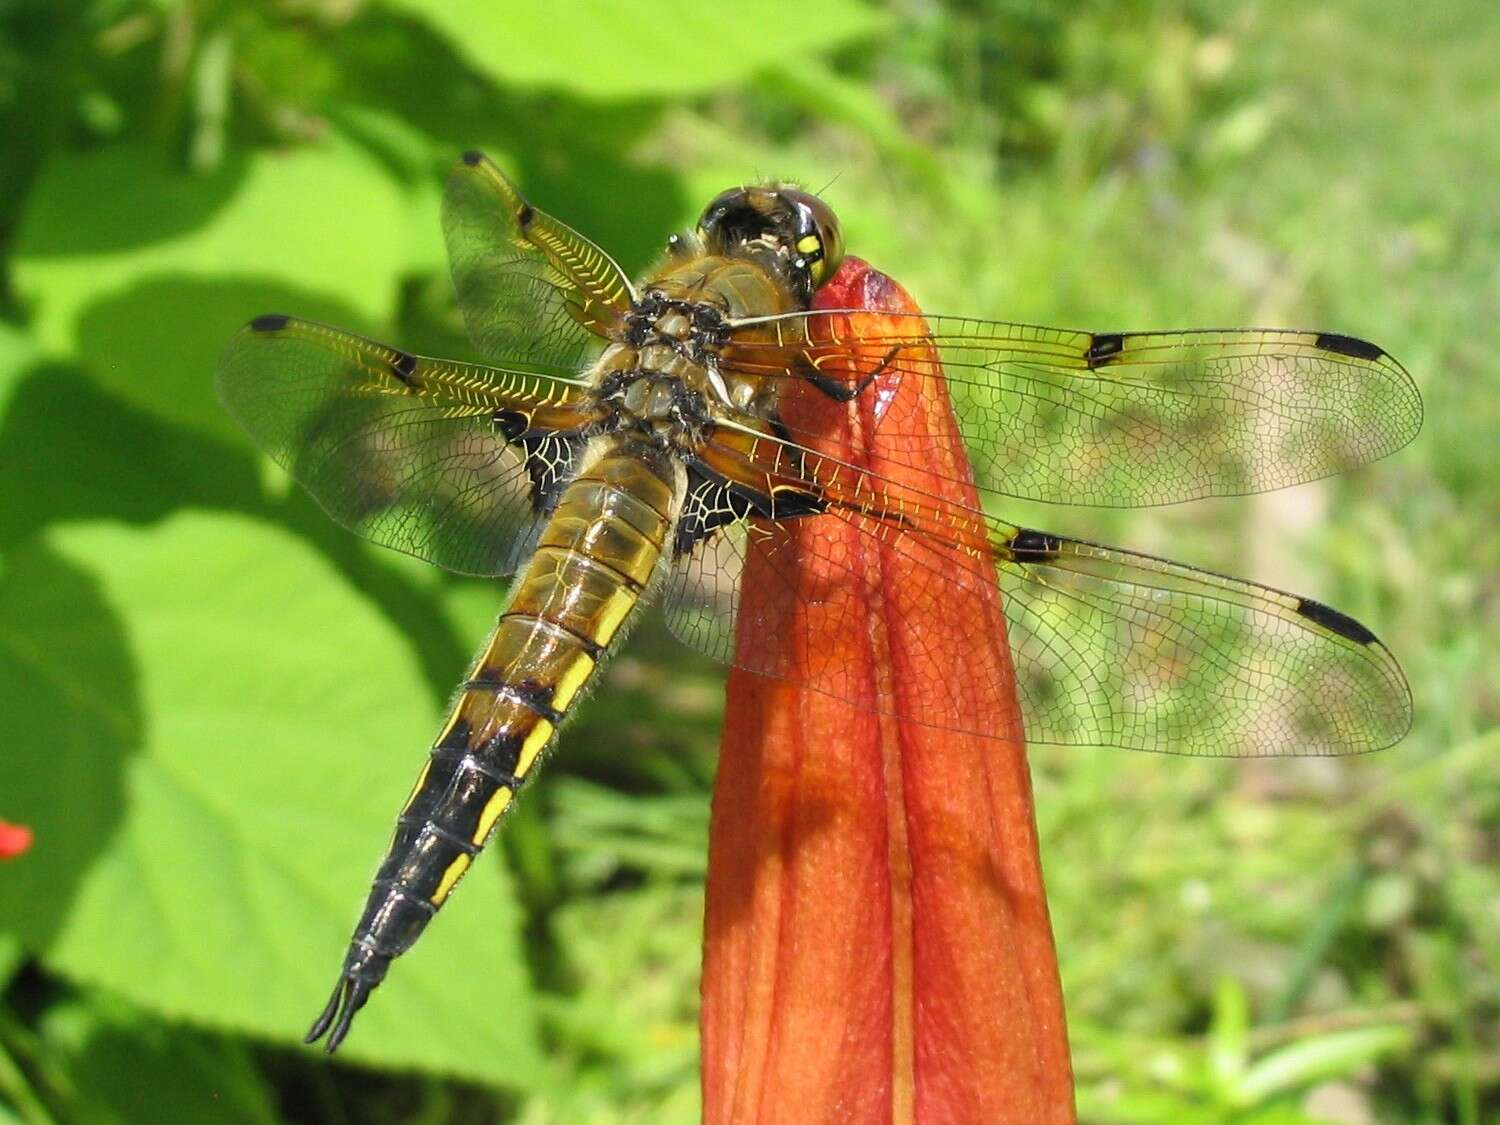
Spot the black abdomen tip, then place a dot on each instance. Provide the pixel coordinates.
(349, 996)
(269, 322)
(1334, 621)
(472, 157)
(1348, 345)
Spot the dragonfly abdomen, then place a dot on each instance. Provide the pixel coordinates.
(593, 562)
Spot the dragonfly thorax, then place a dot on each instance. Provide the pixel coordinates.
(662, 377)
(692, 329)
(661, 405)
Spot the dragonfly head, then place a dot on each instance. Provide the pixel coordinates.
(792, 230)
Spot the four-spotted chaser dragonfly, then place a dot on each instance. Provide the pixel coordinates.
(630, 438)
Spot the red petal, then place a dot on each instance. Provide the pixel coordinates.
(14, 839)
(877, 945)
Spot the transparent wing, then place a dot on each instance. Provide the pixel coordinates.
(450, 462)
(1113, 419)
(1108, 647)
(1128, 650)
(531, 288)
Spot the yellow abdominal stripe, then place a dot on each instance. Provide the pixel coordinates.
(808, 243)
(540, 735)
(538, 738)
(612, 615)
(571, 680)
(492, 811)
(454, 873)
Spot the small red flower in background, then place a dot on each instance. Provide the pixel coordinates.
(876, 945)
(14, 839)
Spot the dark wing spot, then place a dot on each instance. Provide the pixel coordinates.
(1104, 345)
(1348, 345)
(525, 215)
(511, 423)
(712, 502)
(549, 463)
(404, 367)
(1334, 621)
(787, 502)
(269, 322)
(472, 157)
(1034, 546)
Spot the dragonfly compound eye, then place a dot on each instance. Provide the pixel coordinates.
(819, 239)
(792, 231)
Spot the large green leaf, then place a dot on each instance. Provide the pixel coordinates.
(70, 451)
(16, 354)
(122, 1067)
(650, 48)
(11, 956)
(115, 248)
(211, 732)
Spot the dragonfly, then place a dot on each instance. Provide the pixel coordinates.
(634, 439)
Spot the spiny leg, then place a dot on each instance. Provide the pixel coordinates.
(842, 392)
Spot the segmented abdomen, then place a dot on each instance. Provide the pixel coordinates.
(592, 564)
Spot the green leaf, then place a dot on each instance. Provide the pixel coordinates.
(16, 354)
(112, 243)
(127, 1067)
(11, 956)
(211, 733)
(1228, 1036)
(1300, 1064)
(651, 48)
(69, 451)
(1143, 1106)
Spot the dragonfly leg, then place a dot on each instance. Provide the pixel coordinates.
(840, 391)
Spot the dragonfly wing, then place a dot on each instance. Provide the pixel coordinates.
(530, 287)
(1108, 647)
(1122, 649)
(451, 462)
(801, 600)
(1113, 419)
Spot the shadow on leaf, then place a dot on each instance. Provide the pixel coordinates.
(69, 216)
(70, 695)
(157, 344)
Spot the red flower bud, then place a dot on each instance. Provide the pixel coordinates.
(877, 947)
(14, 839)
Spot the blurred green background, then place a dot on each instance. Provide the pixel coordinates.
(213, 701)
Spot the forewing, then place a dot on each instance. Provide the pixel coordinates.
(1112, 419)
(450, 462)
(1108, 647)
(530, 287)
